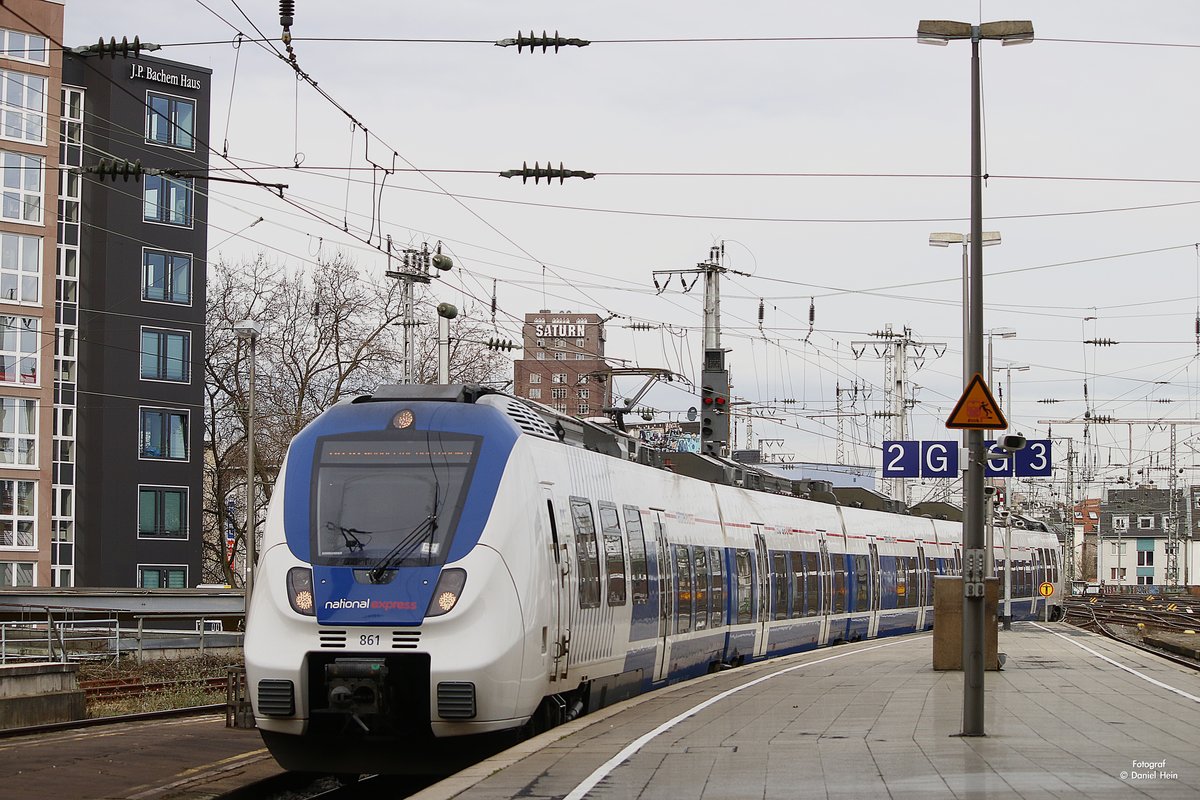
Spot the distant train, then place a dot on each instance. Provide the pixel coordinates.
(442, 561)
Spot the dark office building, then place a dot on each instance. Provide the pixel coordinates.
(129, 377)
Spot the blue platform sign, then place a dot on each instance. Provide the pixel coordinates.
(901, 459)
(999, 462)
(939, 459)
(1033, 461)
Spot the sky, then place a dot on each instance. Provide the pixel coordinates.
(820, 142)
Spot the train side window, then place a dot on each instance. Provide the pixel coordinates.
(587, 554)
(780, 580)
(812, 586)
(639, 580)
(837, 567)
(745, 587)
(717, 592)
(614, 553)
(862, 583)
(798, 590)
(683, 589)
(700, 561)
(902, 587)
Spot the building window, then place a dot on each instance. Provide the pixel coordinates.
(583, 408)
(560, 356)
(159, 577)
(22, 201)
(541, 355)
(581, 321)
(539, 320)
(165, 355)
(20, 268)
(535, 394)
(541, 342)
(535, 377)
(22, 107)
(558, 377)
(16, 574)
(1145, 580)
(581, 356)
(162, 512)
(558, 394)
(166, 276)
(18, 432)
(584, 394)
(170, 120)
(1145, 523)
(579, 342)
(18, 350)
(1120, 523)
(1093, 515)
(1145, 558)
(164, 434)
(559, 343)
(1118, 574)
(23, 46)
(18, 513)
(167, 200)
(560, 408)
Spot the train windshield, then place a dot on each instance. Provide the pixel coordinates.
(392, 499)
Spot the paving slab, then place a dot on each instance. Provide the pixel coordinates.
(1072, 714)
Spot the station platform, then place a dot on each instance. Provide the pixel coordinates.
(1071, 714)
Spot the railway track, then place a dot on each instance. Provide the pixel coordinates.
(118, 688)
(1150, 623)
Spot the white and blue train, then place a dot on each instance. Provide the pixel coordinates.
(445, 561)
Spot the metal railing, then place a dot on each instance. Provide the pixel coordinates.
(72, 634)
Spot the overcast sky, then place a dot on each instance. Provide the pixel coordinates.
(849, 92)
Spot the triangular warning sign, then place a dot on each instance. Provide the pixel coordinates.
(977, 409)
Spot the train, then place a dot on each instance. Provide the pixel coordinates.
(450, 564)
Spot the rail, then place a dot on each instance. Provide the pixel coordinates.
(73, 634)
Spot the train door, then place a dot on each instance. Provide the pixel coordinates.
(666, 595)
(876, 588)
(559, 634)
(762, 590)
(925, 586)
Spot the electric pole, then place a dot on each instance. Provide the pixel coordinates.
(414, 268)
(714, 376)
(894, 349)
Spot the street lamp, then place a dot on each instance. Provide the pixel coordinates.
(945, 240)
(247, 330)
(940, 32)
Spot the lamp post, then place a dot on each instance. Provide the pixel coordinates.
(446, 312)
(1009, 369)
(945, 240)
(940, 32)
(248, 330)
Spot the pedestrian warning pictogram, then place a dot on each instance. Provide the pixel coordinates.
(977, 409)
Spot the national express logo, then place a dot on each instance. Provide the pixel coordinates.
(373, 605)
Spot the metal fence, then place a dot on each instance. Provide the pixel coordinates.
(71, 634)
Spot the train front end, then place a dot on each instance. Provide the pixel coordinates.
(379, 622)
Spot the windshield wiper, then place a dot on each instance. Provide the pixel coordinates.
(404, 547)
(352, 542)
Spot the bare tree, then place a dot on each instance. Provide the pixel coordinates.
(324, 336)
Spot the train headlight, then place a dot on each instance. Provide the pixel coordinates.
(300, 590)
(446, 593)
